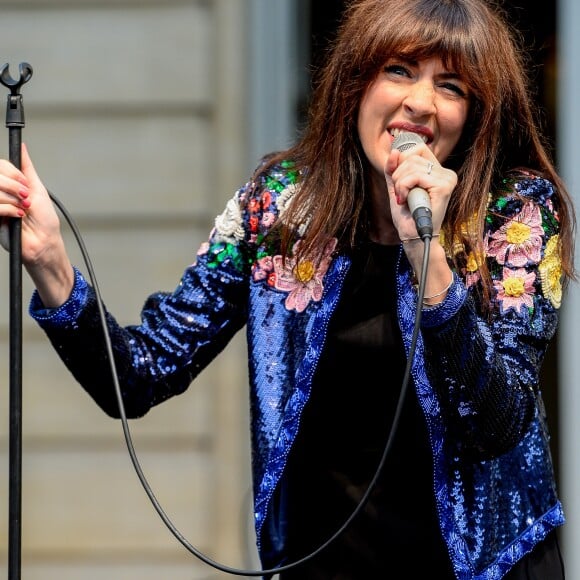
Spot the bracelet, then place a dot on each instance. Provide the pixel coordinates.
(406, 240)
(439, 293)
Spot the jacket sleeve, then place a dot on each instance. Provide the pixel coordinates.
(180, 332)
(485, 364)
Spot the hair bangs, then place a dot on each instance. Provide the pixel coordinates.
(416, 30)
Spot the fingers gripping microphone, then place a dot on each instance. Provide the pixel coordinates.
(418, 199)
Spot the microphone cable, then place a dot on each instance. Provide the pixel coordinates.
(128, 438)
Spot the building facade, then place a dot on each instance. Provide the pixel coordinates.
(143, 118)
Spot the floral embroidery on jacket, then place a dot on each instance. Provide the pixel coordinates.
(551, 272)
(302, 280)
(516, 289)
(283, 203)
(519, 241)
(249, 216)
(521, 233)
(523, 251)
(228, 225)
(472, 274)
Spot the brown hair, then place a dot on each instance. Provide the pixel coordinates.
(501, 133)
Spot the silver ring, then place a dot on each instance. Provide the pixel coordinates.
(429, 168)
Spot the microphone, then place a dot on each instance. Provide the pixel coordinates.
(418, 199)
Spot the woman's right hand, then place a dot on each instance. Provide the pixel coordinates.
(24, 196)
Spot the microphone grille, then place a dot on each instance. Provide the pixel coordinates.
(406, 140)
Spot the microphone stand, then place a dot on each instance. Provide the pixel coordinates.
(14, 123)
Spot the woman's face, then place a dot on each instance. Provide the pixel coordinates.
(423, 97)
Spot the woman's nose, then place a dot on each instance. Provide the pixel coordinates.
(421, 99)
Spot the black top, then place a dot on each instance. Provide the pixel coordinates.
(342, 437)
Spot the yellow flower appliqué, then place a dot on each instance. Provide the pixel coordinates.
(472, 264)
(551, 273)
(513, 287)
(304, 271)
(515, 291)
(518, 233)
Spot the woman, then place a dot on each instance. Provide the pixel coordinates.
(319, 256)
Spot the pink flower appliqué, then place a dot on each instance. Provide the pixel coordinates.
(516, 289)
(303, 280)
(519, 241)
(268, 218)
(263, 268)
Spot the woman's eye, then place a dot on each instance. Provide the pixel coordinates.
(397, 69)
(457, 89)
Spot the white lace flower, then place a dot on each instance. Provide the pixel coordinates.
(285, 198)
(283, 202)
(228, 225)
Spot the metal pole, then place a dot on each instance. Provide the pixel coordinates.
(15, 122)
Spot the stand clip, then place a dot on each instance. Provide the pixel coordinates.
(14, 110)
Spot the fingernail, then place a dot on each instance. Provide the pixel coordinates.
(23, 192)
(25, 203)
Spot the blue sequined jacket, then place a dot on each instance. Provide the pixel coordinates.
(475, 374)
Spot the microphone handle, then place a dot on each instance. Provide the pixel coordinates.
(419, 204)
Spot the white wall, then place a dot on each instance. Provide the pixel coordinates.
(136, 117)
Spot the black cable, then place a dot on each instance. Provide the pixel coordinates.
(128, 439)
